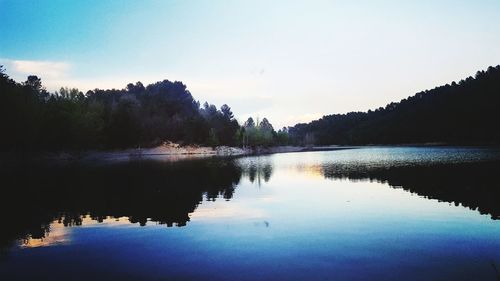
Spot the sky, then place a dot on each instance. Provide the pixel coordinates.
(289, 61)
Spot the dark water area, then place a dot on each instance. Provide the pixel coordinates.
(401, 213)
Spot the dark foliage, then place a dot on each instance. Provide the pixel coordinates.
(461, 113)
(33, 119)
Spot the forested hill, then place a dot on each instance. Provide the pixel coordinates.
(467, 112)
(33, 119)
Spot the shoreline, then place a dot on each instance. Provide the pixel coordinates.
(165, 152)
(174, 152)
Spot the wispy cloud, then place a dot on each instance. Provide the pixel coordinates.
(48, 69)
(57, 74)
(54, 74)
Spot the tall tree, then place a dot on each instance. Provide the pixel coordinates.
(226, 112)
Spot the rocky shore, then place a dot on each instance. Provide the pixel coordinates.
(164, 152)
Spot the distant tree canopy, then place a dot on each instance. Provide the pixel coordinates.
(467, 112)
(32, 118)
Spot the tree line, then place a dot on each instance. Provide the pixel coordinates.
(34, 119)
(466, 112)
(31, 118)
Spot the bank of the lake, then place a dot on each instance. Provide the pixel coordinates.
(166, 151)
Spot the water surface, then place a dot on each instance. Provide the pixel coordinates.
(362, 214)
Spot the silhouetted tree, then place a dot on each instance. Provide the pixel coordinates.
(226, 112)
(34, 82)
(249, 123)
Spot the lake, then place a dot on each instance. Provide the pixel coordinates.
(376, 213)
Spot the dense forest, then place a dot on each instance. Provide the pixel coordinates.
(136, 116)
(466, 112)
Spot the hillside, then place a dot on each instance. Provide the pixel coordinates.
(466, 112)
(32, 118)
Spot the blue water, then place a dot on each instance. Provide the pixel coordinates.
(361, 214)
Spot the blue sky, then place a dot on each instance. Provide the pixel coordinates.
(289, 61)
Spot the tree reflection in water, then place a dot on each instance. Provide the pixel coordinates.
(257, 169)
(164, 192)
(473, 185)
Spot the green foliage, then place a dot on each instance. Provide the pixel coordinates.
(262, 134)
(282, 137)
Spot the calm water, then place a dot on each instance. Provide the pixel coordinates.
(361, 214)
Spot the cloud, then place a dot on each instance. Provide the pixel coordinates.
(47, 69)
(57, 74)
(54, 74)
